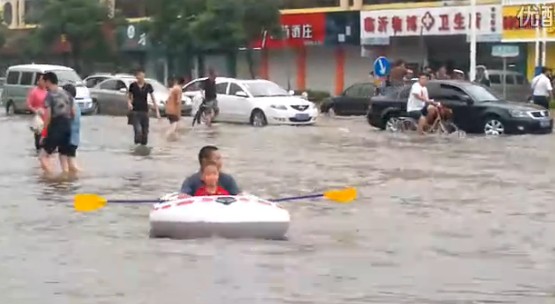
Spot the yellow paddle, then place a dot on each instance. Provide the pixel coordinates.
(91, 202)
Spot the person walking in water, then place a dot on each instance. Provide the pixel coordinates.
(173, 106)
(35, 103)
(71, 163)
(57, 123)
(542, 90)
(137, 102)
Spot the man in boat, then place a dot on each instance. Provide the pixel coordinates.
(207, 155)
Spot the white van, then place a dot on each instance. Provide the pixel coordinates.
(20, 79)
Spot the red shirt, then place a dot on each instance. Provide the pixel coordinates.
(36, 97)
(202, 191)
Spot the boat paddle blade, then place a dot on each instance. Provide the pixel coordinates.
(343, 196)
(88, 202)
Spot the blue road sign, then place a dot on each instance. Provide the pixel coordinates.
(382, 67)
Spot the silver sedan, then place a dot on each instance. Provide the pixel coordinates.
(110, 96)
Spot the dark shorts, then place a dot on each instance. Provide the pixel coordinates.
(172, 118)
(59, 132)
(68, 150)
(417, 114)
(541, 101)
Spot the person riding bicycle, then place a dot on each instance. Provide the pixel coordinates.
(209, 106)
(419, 106)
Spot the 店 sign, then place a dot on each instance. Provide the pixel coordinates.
(133, 38)
(520, 22)
(429, 22)
(298, 30)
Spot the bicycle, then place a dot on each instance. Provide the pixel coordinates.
(441, 125)
(205, 114)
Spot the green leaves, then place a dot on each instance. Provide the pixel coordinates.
(211, 25)
(79, 22)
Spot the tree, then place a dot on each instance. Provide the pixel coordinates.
(169, 27)
(261, 19)
(77, 22)
(200, 26)
(230, 25)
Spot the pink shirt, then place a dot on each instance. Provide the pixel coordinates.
(36, 98)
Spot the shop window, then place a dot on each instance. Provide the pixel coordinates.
(510, 79)
(33, 11)
(293, 4)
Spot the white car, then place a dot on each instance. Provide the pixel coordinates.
(257, 102)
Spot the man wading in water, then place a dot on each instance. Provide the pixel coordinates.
(59, 114)
(137, 102)
(173, 107)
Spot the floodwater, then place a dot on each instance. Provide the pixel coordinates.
(439, 220)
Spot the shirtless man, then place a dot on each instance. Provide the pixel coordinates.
(173, 106)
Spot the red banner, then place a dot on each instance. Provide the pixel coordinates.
(298, 30)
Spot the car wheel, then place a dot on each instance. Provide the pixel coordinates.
(493, 125)
(10, 110)
(258, 119)
(392, 123)
(96, 108)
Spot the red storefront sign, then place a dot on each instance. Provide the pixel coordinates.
(298, 30)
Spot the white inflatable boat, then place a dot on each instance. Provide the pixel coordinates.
(222, 216)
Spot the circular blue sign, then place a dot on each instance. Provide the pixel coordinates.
(382, 67)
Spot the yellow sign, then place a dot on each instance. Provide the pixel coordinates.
(523, 23)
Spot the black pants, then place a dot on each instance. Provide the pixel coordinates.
(541, 101)
(140, 127)
(37, 140)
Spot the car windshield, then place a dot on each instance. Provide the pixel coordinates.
(157, 86)
(264, 89)
(481, 93)
(68, 76)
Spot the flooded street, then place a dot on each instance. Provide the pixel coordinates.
(438, 220)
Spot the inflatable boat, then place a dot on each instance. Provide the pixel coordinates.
(222, 216)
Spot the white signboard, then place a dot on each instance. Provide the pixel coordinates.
(434, 21)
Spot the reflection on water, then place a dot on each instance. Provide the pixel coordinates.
(438, 220)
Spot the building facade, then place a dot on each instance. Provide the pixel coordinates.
(330, 44)
(427, 34)
(524, 23)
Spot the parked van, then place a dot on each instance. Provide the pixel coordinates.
(517, 86)
(20, 79)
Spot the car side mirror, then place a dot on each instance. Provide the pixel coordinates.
(123, 90)
(467, 100)
(241, 94)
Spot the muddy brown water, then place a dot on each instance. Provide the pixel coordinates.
(439, 220)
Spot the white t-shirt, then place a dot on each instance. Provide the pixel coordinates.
(415, 104)
(541, 85)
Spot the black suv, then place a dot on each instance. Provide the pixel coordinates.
(476, 109)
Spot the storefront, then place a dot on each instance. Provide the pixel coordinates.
(138, 52)
(518, 28)
(430, 36)
(318, 51)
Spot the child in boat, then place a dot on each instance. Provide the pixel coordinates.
(210, 176)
